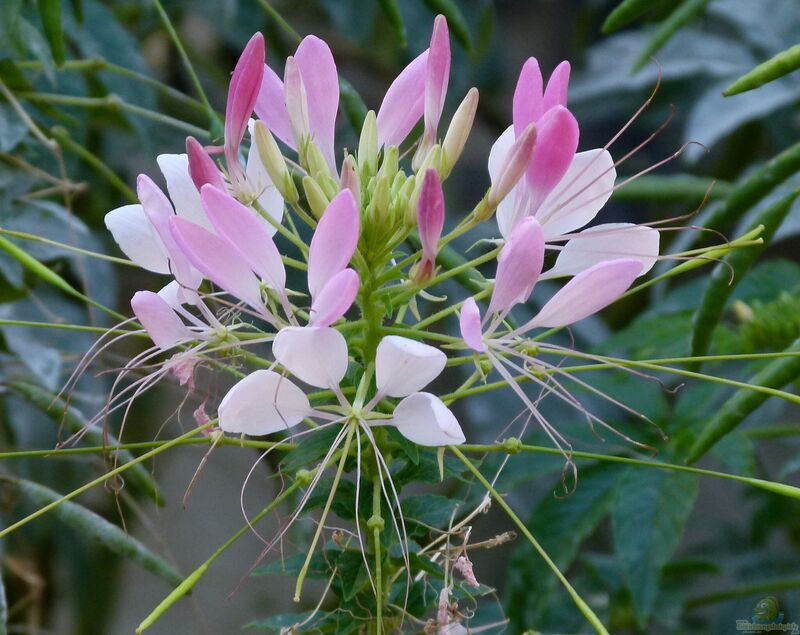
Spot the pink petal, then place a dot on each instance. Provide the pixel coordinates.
(437, 75)
(518, 266)
(430, 214)
(262, 403)
(527, 103)
(202, 168)
(315, 355)
(242, 94)
(336, 297)
(587, 293)
(404, 103)
(296, 101)
(557, 86)
(159, 210)
(515, 164)
(470, 325)
(404, 366)
(218, 260)
(271, 107)
(334, 241)
(424, 419)
(163, 326)
(321, 80)
(609, 241)
(239, 225)
(556, 142)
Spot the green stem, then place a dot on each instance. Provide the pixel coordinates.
(345, 451)
(280, 20)
(377, 521)
(60, 245)
(583, 607)
(102, 479)
(758, 588)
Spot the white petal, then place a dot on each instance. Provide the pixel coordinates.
(262, 403)
(181, 188)
(581, 193)
(403, 365)
(137, 238)
(609, 241)
(424, 419)
(499, 151)
(315, 355)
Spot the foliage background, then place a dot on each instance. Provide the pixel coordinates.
(653, 551)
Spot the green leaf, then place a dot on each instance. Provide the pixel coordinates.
(648, 519)
(313, 447)
(352, 105)
(97, 528)
(776, 375)
(284, 623)
(429, 509)
(676, 20)
(391, 10)
(672, 188)
(781, 64)
(730, 272)
(561, 524)
(74, 421)
(624, 13)
(319, 569)
(350, 573)
(455, 21)
(50, 15)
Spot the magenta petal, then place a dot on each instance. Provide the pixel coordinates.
(239, 225)
(336, 297)
(334, 241)
(163, 326)
(437, 75)
(556, 143)
(430, 214)
(527, 103)
(404, 103)
(557, 87)
(159, 211)
(587, 293)
(518, 266)
(219, 261)
(202, 168)
(470, 325)
(321, 81)
(271, 107)
(242, 94)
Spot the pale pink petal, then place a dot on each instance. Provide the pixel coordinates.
(404, 103)
(137, 238)
(315, 355)
(242, 94)
(579, 195)
(404, 366)
(587, 293)
(557, 87)
(182, 190)
(527, 102)
(262, 403)
(334, 241)
(556, 142)
(296, 101)
(437, 75)
(470, 325)
(430, 214)
(271, 107)
(202, 168)
(518, 266)
(336, 297)
(218, 260)
(159, 211)
(163, 326)
(424, 419)
(609, 241)
(321, 80)
(239, 225)
(499, 152)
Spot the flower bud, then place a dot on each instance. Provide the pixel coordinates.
(516, 163)
(274, 162)
(368, 146)
(458, 132)
(391, 162)
(379, 204)
(430, 221)
(311, 158)
(296, 102)
(349, 179)
(202, 168)
(316, 198)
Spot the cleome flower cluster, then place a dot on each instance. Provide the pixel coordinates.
(346, 341)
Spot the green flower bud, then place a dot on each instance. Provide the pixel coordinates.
(316, 198)
(458, 132)
(274, 163)
(368, 146)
